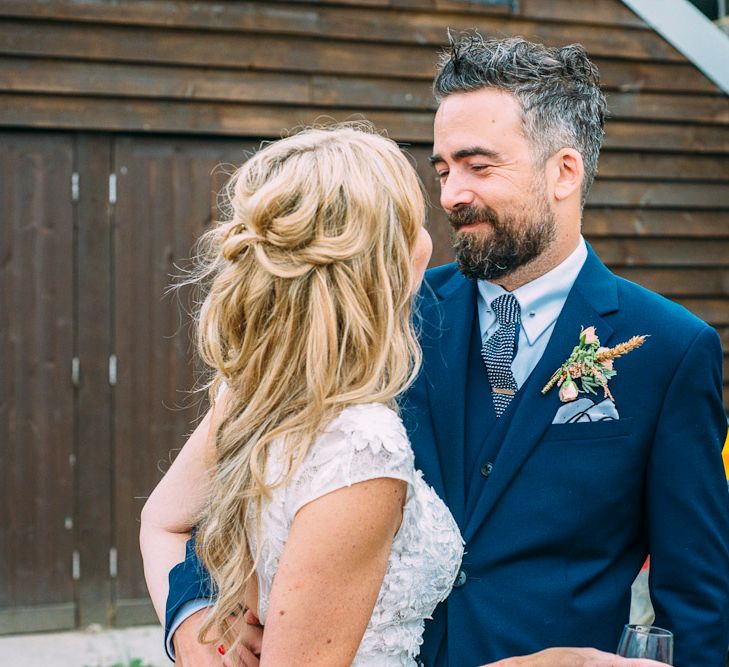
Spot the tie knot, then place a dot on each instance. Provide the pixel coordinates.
(506, 308)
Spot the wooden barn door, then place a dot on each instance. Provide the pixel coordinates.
(37, 425)
(95, 359)
(166, 195)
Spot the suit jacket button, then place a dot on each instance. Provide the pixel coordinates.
(460, 579)
(486, 469)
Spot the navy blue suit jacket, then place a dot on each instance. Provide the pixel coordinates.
(562, 524)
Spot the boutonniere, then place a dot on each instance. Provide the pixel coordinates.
(589, 367)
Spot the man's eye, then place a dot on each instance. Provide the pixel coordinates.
(441, 175)
(480, 167)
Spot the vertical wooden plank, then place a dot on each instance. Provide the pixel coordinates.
(166, 189)
(94, 460)
(36, 396)
(135, 302)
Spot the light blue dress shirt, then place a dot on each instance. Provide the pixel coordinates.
(541, 301)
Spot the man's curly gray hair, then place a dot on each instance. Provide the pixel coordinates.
(557, 89)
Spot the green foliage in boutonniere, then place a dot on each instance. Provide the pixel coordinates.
(589, 367)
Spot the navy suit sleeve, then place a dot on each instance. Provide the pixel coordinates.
(188, 581)
(687, 508)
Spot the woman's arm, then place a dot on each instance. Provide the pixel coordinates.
(330, 574)
(168, 515)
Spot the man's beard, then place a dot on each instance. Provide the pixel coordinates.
(511, 243)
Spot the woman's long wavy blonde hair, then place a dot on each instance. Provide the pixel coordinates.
(307, 310)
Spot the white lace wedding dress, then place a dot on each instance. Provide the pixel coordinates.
(365, 442)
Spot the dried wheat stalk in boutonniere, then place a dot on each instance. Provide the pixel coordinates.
(589, 367)
(610, 353)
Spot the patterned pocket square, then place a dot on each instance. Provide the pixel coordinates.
(585, 410)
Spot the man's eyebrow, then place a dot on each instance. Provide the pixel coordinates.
(467, 152)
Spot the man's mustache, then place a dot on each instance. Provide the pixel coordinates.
(469, 215)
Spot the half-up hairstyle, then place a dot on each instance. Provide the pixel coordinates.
(307, 310)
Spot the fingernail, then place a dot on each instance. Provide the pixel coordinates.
(221, 649)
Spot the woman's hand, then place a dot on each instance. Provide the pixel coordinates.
(248, 650)
(189, 652)
(573, 657)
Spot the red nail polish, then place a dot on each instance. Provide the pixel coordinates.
(221, 649)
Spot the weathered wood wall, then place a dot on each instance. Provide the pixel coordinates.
(165, 89)
(659, 212)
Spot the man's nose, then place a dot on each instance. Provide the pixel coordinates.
(455, 194)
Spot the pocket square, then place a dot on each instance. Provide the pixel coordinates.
(585, 410)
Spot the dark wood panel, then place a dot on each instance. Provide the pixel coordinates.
(680, 283)
(36, 395)
(41, 618)
(42, 75)
(610, 12)
(667, 137)
(724, 335)
(182, 14)
(194, 117)
(167, 191)
(95, 466)
(342, 19)
(660, 195)
(427, 4)
(136, 80)
(212, 49)
(354, 23)
(713, 311)
(659, 166)
(136, 611)
(661, 106)
(663, 252)
(600, 222)
(637, 76)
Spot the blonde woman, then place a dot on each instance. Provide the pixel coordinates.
(301, 477)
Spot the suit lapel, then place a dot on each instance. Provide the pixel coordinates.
(593, 295)
(445, 340)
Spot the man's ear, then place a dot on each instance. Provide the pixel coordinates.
(568, 172)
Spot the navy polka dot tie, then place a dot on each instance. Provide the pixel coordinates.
(499, 350)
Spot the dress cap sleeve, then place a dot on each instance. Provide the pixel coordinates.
(364, 442)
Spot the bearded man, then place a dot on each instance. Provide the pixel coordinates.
(567, 446)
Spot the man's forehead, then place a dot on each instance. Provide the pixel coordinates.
(487, 118)
(482, 106)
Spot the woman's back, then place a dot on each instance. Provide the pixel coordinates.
(366, 442)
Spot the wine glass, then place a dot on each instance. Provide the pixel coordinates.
(646, 641)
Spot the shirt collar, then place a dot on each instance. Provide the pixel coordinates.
(542, 299)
